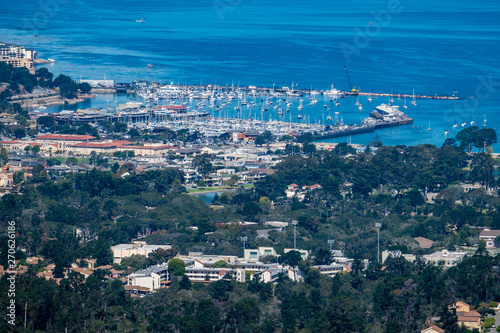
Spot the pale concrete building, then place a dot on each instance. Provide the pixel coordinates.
(489, 237)
(18, 56)
(254, 255)
(121, 251)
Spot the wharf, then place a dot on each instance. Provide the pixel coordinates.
(297, 92)
(367, 127)
(345, 132)
(393, 123)
(403, 95)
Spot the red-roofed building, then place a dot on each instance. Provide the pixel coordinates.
(312, 187)
(63, 141)
(432, 329)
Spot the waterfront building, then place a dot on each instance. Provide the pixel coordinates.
(18, 56)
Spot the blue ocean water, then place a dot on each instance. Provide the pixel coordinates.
(444, 48)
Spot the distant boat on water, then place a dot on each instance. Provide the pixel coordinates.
(151, 65)
(414, 102)
(141, 20)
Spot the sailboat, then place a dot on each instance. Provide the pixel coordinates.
(404, 106)
(414, 102)
(300, 107)
(484, 121)
(429, 128)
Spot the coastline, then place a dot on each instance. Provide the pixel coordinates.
(53, 100)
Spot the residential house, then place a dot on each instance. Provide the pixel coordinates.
(432, 329)
(466, 317)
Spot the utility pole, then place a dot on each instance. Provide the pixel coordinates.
(378, 226)
(294, 223)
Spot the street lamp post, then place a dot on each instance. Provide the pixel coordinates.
(294, 223)
(378, 226)
(331, 242)
(244, 239)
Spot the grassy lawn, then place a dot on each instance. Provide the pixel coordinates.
(207, 189)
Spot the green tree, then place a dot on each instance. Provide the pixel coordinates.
(221, 264)
(101, 251)
(115, 167)
(305, 138)
(44, 77)
(482, 168)
(497, 241)
(343, 149)
(265, 138)
(323, 257)
(84, 87)
(176, 267)
(4, 156)
(292, 259)
(251, 209)
(134, 132)
(19, 132)
(202, 163)
(185, 283)
(309, 148)
(46, 121)
(35, 149)
(232, 180)
(18, 177)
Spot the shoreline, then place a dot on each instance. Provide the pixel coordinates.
(52, 100)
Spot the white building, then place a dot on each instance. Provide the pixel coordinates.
(150, 277)
(303, 253)
(489, 237)
(273, 274)
(444, 257)
(206, 274)
(331, 269)
(121, 251)
(255, 255)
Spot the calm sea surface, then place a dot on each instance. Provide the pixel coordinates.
(433, 47)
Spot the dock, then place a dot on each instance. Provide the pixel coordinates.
(367, 127)
(399, 96)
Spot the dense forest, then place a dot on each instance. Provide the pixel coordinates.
(386, 185)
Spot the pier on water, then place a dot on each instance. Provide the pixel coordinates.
(399, 96)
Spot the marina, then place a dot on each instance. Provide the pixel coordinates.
(215, 110)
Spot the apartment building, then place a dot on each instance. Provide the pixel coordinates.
(18, 56)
